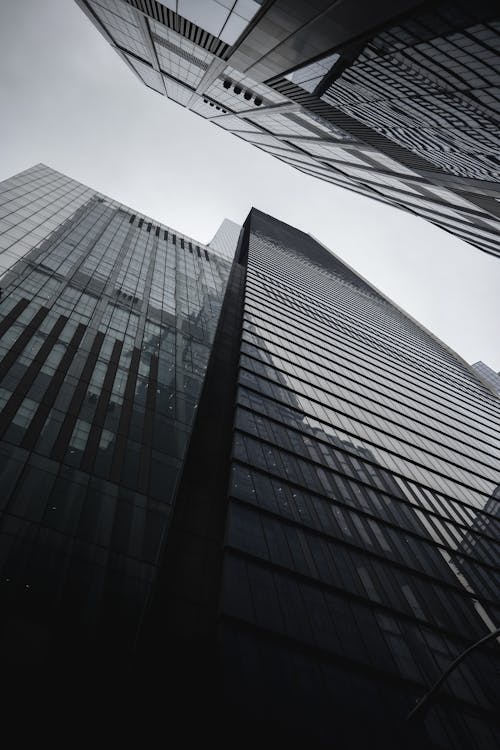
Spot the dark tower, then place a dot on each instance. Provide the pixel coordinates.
(255, 501)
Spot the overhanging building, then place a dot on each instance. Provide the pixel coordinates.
(395, 100)
(259, 482)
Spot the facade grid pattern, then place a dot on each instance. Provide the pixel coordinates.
(360, 553)
(417, 102)
(107, 320)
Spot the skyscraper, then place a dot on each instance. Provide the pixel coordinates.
(107, 323)
(491, 377)
(397, 101)
(260, 482)
(359, 523)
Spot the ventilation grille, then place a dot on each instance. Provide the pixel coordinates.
(187, 29)
(149, 227)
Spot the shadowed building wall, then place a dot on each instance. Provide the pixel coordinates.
(252, 500)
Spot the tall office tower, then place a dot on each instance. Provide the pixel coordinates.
(491, 377)
(106, 325)
(225, 239)
(350, 512)
(258, 490)
(397, 100)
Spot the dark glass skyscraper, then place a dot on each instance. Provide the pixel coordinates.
(259, 482)
(363, 450)
(396, 100)
(107, 319)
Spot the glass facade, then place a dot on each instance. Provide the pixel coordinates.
(361, 539)
(407, 116)
(489, 375)
(430, 85)
(225, 239)
(259, 466)
(106, 325)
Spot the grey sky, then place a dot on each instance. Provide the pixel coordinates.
(69, 101)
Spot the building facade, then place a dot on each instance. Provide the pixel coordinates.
(359, 529)
(259, 484)
(107, 323)
(398, 102)
(346, 481)
(491, 377)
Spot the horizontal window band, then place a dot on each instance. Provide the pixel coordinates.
(390, 451)
(371, 398)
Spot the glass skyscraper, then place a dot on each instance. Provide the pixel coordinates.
(364, 456)
(258, 481)
(396, 100)
(107, 319)
(489, 375)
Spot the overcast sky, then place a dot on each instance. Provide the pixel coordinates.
(69, 101)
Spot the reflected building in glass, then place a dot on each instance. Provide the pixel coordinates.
(257, 484)
(397, 100)
(354, 553)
